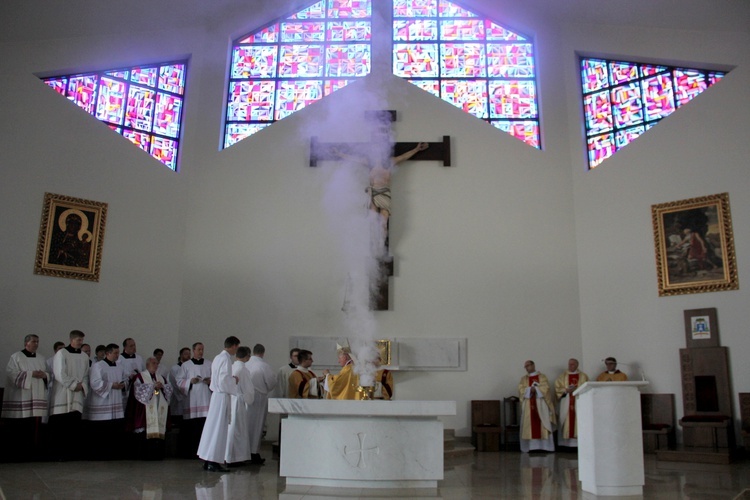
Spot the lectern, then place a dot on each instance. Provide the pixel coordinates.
(610, 448)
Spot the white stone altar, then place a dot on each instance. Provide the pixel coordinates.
(610, 446)
(362, 444)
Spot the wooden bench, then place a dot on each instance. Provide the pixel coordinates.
(657, 422)
(486, 427)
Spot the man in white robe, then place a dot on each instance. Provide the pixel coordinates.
(537, 411)
(131, 362)
(178, 401)
(50, 370)
(264, 381)
(214, 439)
(194, 383)
(282, 386)
(570, 380)
(25, 400)
(238, 446)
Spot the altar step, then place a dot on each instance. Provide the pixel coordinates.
(455, 447)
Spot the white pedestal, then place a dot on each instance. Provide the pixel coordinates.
(610, 447)
(362, 444)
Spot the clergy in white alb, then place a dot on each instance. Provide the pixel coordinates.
(537, 411)
(152, 394)
(570, 380)
(213, 445)
(264, 381)
(282, 376)
(179, 400)
(238, 445)
(194, 383)
(131, 362)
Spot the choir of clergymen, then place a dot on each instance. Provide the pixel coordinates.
(540, 416)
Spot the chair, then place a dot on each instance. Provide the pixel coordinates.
(485, 425)
(512, 427)
(657, 421)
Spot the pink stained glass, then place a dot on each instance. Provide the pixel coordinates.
(414, 30)
(600, 148)
(172, 78)
(620, 72)
(251, 101)
(594, 74)
(598, 112)
(714, 78)
(140, 108)
(649, 70)
(165, 150)
(316, 11)
(349, 31)
(301, 61)
(167, 115)
(450, 9)
(115, 128)
(254, 61)
(627, 107)
(512, 99)
(462, 29)
(238, 131)
(310, 31)
(415, 8)
(510, 60)
(688, 84)
(269, 34)
(625, 137)
(463, 60)
(349, 8)
(294, 95)
(348, 60)
(431, 86)
(59, 84)
(140, 139)
(415, 60)
(125, 75)
(658, 96)
(526, 131)
(467, 95)
(496, 32)
(144, 76)
(82, 91)
(111, 102)
(332, 86)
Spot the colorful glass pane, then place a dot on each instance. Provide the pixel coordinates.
(255, 61)
(688, 83)
(620, 72)
(349, 31)
(658, 96)
(144, 76)
(303, 32)
(625, 137)
(450, 9)
(140, 139)
(598, 112)
(348, 60)
(527, 131)
(172, 78)
(266, 35)
(167, 115)
(251, 100)
(165, 150)
(649, 70)
(349, 8)
(118, 74)
(627, 107)
(59, 84)
(600, 148)
(415, 29)
(301, 61)
(115, 128)
(496, 32)
(467, 95)
(462, 29)
(295, 95)
(431, 86)
(110, 107)
(238, 131)
(714, 78)
(82, 91)
(510, 60)
(594, 74)
(462, 60)
(140, 108)
(512, 99)
(415, 60)
(316, 11)
(332, 86)
(415, 8)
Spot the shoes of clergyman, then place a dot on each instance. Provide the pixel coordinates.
(214, 467)
(255, 459)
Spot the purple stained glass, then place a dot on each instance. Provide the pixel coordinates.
(414, 30)
(526, 131)
(714, 78)
(251, 101)
(123, 74)
(256, 61)
(510, 60)
(269, 34)
(468, 95)
(462, 29)
(594, 75)
(600, 148)
(415, 8)
(165, 150)
(294, 95)
(431, 86)
(450, 9)
(688, 84)
(301, 61)
(82, 91)
(59, 84)
(349, 31)
(512, 99)
(111, 103)
(115, 128)
(598, 112)
(348, 60)
(332, 86)
(172, 78)
(140, 108)
(167, 115)
(658, 96)
(316, 11)
(625, 137)
(238, 131)
(140, 139)
(310, 31)
(620, 72)
(349, 8)
(463, 60)
(627, 106)
(496, 32)
(144, 76)
(415, 60)
(649, 70)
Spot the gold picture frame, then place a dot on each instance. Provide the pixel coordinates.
(384, 348)
(694, 246)
(71, 237)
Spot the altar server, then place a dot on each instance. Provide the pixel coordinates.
(537, 411)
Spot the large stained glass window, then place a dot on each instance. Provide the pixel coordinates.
(621, 100)
(143, 103)
(294, 62)
(471, 62)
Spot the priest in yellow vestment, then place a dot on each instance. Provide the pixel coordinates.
(344, 385)
(537, 411)
(570, 380)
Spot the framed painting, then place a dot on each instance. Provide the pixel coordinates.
(71, 237)
(384, 349)
(701, 327)
(694, 246)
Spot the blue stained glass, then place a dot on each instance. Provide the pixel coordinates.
(594, 74)
(415, 30)
(315, 11)
(418, 60)
(415, 8)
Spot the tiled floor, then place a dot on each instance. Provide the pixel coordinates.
(481, 475)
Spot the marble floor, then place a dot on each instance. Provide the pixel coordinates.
(480, 475)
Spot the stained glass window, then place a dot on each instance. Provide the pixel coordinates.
(483, 68)
(294, 62)
(621, 100)
(143, 104)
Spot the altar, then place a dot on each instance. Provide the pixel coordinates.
(362, 444)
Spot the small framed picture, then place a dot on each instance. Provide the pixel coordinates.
(701, 328)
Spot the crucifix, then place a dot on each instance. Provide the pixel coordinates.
(379, 191)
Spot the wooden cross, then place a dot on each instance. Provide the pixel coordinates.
(378, 190)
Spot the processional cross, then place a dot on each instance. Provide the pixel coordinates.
(379, 188)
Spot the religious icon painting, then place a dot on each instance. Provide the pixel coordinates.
(71, 236)
(694, 246)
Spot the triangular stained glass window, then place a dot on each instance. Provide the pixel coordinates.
(143, 103)
(294, 62)
(477, 65)
(621, 100)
